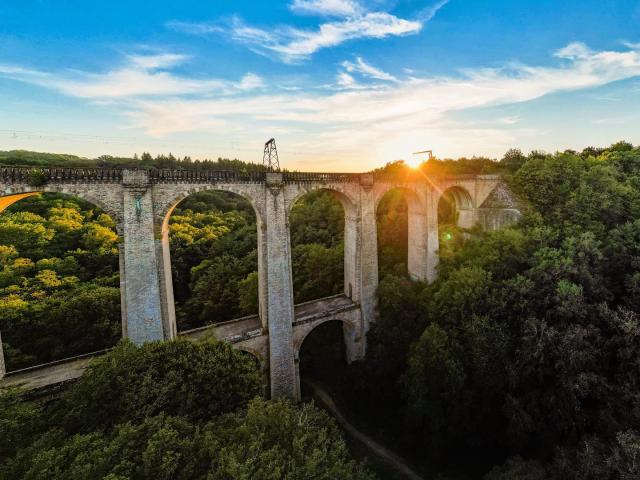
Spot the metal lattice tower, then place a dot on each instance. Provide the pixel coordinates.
(270, 157)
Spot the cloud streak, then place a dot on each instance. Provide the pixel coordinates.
(327, 7)
(350, 20)
(378, 121)
(141, 76)
(293, 45)
(368, 70)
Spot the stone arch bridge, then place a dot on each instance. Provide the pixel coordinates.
(141, 202)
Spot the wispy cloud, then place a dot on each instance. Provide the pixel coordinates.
(367, 70)
(351, 20)
(294, 45)
(345, 80)
(327, 7)
(140, 76)
(430, 11)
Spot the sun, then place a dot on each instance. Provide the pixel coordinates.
(414, 161)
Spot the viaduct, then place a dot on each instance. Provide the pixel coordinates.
(141, 202)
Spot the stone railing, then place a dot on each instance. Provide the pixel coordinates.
(53, 174)
(299, 177)
(203, 176)
(114, 175)
(416, 176)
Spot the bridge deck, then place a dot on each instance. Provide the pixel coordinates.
(232, 331)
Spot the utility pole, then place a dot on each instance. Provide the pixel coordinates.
(270, 157)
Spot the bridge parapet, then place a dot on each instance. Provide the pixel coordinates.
(115, 175)
(301, 177)
(203, 176)
(60, 175)
(417, 176)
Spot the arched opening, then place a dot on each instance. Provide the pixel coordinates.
(324, 355)
(402, 234)
(322, 249)
(455, 214)
(392, 218)
(255, 359)
(59, 279)
(212, 240)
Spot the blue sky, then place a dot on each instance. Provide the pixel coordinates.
(342, 85)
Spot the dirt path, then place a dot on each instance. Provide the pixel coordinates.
(394, 462)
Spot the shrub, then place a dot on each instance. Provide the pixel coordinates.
(194, 380)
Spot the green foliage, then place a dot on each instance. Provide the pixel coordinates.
(435, 166)
(172, 410)
(318, 217)
(157, 448)
(59, 278)
(37, 178)
(215, 290)
(19, 422)
(213, 241)
(27, 158)
(434, 378)
(393, 231)
(196, 381)
(268, 441)
(317, 239)
(319, 271)
(248, 292)
(276, 440)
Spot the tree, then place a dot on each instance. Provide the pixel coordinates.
(268, 441)
(319, 271)
(276, 440)
(248, 291)
(194, 380)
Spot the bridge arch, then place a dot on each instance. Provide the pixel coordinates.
(455, 205)
(346, 198)
(14, 194)
(350, 232)
(416, 201)
(171, 200)
(416, 227)
(80, 326)
(258, 356)
(301, 332)
(349, 346)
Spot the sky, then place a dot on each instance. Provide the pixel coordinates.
(342, 85)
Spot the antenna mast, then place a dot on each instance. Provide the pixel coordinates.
(270, 157)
